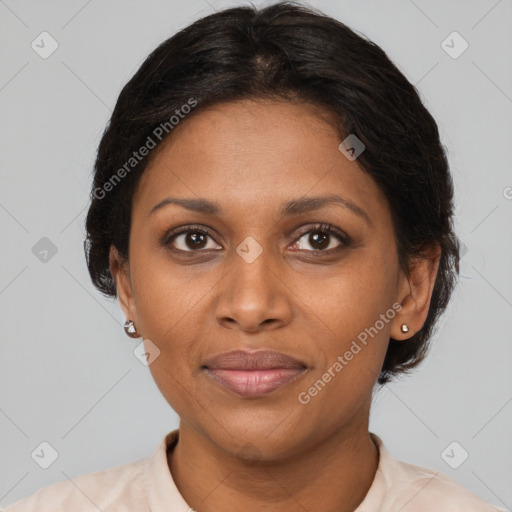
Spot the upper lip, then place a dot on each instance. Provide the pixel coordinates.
(254, 360)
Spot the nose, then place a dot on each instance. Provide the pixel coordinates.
(253, 296)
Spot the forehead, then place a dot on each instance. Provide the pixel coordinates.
(259, 153)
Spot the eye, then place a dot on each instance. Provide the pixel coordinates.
(322, 238)
(190, 239)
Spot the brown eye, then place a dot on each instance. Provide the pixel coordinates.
(190, 240)
(319, 240)
(194, 240)
(323, 238)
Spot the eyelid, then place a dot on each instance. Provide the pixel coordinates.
(325, 228)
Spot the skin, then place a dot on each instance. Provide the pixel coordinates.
(272, 452)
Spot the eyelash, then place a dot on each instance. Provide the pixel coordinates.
(322, 228)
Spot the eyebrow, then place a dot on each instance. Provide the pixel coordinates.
(293, 207)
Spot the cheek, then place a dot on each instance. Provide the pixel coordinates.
(166, 297)
(354, 297)
(172, 315)
(353, 351)
(356, 307)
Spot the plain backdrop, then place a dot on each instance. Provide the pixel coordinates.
(68, 374)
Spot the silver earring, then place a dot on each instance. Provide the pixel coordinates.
(404, 328)
(130, 329)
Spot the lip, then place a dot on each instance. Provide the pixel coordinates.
(253, 374)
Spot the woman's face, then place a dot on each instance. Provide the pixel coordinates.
(263, 277)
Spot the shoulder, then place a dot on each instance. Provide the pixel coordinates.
(425, 488)
(418, 489)
(104, 490)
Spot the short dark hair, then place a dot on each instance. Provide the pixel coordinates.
(288, 52)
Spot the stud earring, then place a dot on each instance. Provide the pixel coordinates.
(404, 328)
(130, 329)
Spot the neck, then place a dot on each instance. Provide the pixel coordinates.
(333, 475)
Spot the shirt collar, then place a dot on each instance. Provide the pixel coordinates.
(376, 495)
(163, 495)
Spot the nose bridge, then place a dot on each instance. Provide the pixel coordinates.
(251, 293)
(252, 265)
(253, 278)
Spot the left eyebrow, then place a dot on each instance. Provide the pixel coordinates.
(196, 205)
(308, 204)
(293, 207)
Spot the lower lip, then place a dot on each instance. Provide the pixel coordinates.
(253, 383)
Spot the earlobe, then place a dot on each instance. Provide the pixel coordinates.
(416, 292)
(120, 272)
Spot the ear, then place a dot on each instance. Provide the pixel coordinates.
(120, 270)
(415, 292)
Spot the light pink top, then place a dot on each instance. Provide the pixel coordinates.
(146, 485)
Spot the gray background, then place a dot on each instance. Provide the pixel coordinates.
(68, 372)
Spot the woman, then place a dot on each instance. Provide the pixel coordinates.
(273, 208)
